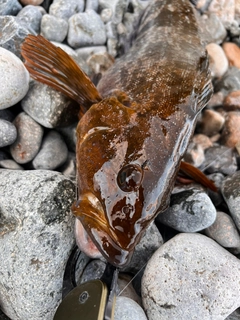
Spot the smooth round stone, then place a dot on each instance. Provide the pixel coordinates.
(212, 29)
(86, 29)
(69, 169)
(190, 210)
(54, 28)
(94, 270)
(31, 2)
(125, 287)
(218, 60)
(229, 82)
(191, 277)
(224, 10)
(31, 16)
(66, 8)
(29, 138)
(9, 7)
(85, 53)
(231, 132)
(8, 133)
(70, 136)
(92, 4)
(128, 309)
(211, 122)
(10, 164)
(14, 79)
(53, 152)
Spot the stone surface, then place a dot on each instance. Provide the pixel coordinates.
(191, 277)
(202, 140)
(29, 138)
(8, 133)
(194, 154)
(91, 4)
(232, 52)
(10, 164)
(224, 9)
(127, 309)
(31, 2)
(211, 28)
(54, 28)
(229, 82)
(53, 152)
(94, 270)
(211, 122)
(218, 62)
(49, 107)
(66, 8)
(31, 17)
(125, 287)
(9, 7)
(36, 239)
(232, 101)
(190, 210)
(14, 79)
(69, 169)
(231, 131)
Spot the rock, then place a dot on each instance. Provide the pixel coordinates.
(194, 154)
(64, 9)
(237, 10)
(224, 10)
(69, 169)
(99, 63)
(10, 164)
(231, 193)
(85, 53)
(86, 29)
(9, 8)
(216, 197)
(229, 82)
(106, 15)
(31, 2)
(54, 28)
(13, 32)
(118, 7)
(8, 133)
(211, 28)
(211, 122)
(92, 5)
(93, 270)
(191, 277)
(36, 239)
(232, 52)
(231, 131)
(70, 136)
(202, 140)
(49, 107)
(235, 315)
(127, 309)
(14, 79)
(224, 231)
(190, 210)
(29, 138)
(125, 287)
(218, 62)
(232, 101)
(53, 152)
(31, 17)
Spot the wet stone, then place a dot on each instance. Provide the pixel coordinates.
(64, 9)
(14, 79)
(10, 8)
(53, 152)
(8, 133)
(29, 138)
(128, 309)
(190, 210)
(31, 17)
(208, 272)
(54, 28)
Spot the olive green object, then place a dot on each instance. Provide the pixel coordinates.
(85, 302)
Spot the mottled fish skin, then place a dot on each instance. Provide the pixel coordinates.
(131, 143)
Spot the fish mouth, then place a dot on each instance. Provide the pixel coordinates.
(89, 210)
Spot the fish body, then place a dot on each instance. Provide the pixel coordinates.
(131, 140)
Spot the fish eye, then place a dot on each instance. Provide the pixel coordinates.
(130, 177)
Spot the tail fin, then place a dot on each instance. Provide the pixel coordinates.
(49, 64)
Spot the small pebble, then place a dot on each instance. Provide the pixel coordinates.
(14, 79)
(125, 287)
(216, 197)
(106, 15)
(224, 231)
(10, 164)
(202, 140)
(31, 2)
(224, 10)
(64, 9)
(128, 309)
(93, 270)
(9, 8)
(8, 133)
(231, 131)
(211, 28)
(218, 62)
(53, 152)
(85, 53)
(54, 28)
(92, 5)
(229, 82)
(86, 29)
(99, 63)
(190, 211)
(232, 101)
(237, 10)
(232, 52)
(31, 16)
(29, 138)
(69, 167)
(69, 134)
(211, 122)
(194, 154)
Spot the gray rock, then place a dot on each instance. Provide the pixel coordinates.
(49, 107)
(69, 169)
(106, 15)
(3, 155)
(85, 53)
(212, 29)
(92, 4)
(94, 270)
(31, 17)
(234, 316)
(29, 138)
(53, 152)
(231, 193)
(9, 7)
(14, 79)
(69, 134)
(54, 28)
(127, 309)
(66, 8)
(229, 82)
(13, 32)
(10, 164)
(190, 210)
(36, 239)
(8, 133)
(224, 231)
(125, 287)
(191, 277)
(216, 197)
(86, 29)
(118, 7)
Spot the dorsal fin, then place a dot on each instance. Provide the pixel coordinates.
(51, 65)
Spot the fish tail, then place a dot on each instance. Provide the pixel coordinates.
(51, 65)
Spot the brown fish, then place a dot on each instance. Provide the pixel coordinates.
(138, 125)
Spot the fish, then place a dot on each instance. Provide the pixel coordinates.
(137, 122)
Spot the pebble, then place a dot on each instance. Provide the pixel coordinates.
(231, 193)
(65, 9)
(229, 82)
(10, 164)
(232, 101)
(36, 239)
(125, 287)
(94, 270)
(232, 52)
(54, 28)
(10, 8)
(69, 134)
(91, 5)
(212, 29)
(194, 154)
(216, 197)
(106, 15)
(211, 122)
(8, 133)
(31, 2)
(69, 169)
(29, 138)
(190, 210)
(225, 10)
(216, 99)
(202, 140)
(86, 29)
(53, 152)
(13, 32)
(191, 277)
(224, 231)
(128, 309)
(49, 107)
(31, 17)
(218, 62)
(87, 52)
(237, 10)
(231, 131)
(99, 63)
(14, 79)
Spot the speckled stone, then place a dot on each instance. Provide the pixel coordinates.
(231, 131)
(232, 101)
(31, 17)
(69, 168)
(14, 79)
(94, 270)
(54, 28)
(9, 7)
(224, 10)
(211, 122)
(29, 139)
(91, 4)
(53, 152)
(218, 60)
(191, 277)
(229, 82)
(211, 28)
(8, 133)
(64, 9)
(232, 52)
(127, 309)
